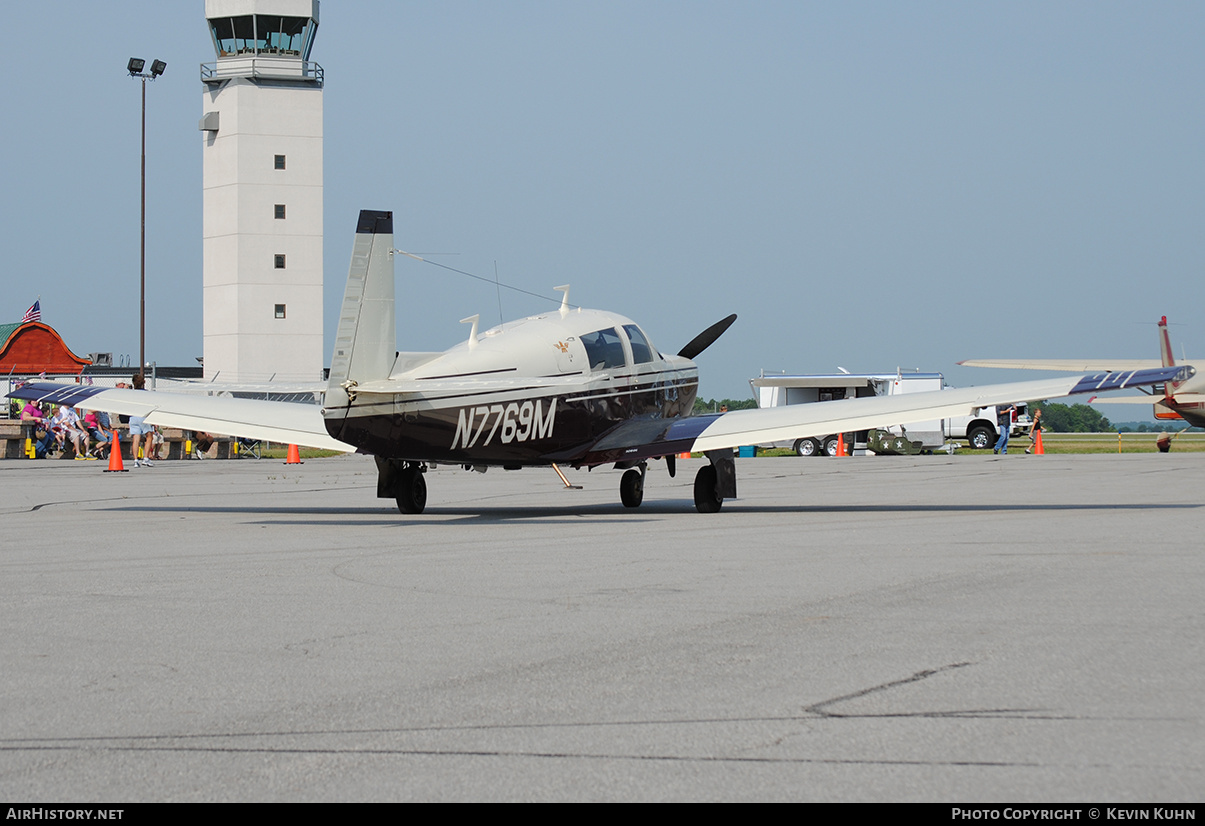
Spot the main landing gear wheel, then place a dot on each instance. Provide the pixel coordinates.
(631, 488)
(707, 498)
(413, 496)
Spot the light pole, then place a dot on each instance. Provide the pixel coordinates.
(135, 67)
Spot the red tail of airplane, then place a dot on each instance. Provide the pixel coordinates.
(1166, 409)
(1165, 344)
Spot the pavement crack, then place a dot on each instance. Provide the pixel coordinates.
(819, 708)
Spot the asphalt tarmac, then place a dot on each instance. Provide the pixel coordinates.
(967, 629)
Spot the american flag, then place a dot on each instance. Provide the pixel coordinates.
(34, 313)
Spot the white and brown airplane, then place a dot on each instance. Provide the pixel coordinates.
(1174, 399)
(573, 387)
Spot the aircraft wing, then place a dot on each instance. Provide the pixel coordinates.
(1070, 365)
(638, 439)
(284, 422)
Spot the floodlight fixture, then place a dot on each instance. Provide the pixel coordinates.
(135, 65)
(157, 68)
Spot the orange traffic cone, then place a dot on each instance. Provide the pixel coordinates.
(1038, 450)
(294, 456)
(840, 444)
(115, 465)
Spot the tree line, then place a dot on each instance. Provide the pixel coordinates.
(1071, 418)
(1083, 418)
(713, 406)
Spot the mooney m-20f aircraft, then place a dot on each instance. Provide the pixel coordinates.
(572, 387)
(1175, 399)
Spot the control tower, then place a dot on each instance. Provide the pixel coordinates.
(262, 179)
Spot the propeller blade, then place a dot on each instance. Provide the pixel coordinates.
(705, 339)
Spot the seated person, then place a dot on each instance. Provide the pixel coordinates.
(67, 427)
(32, 413)
(202, 442)
(154, 441)
(58, 431)
(101, 437)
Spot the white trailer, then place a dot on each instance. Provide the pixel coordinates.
(775, 390)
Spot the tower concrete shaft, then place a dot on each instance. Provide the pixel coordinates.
(262, 182)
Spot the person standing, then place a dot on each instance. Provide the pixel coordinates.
(138, 429)
(1004, 420)
(1034, 427)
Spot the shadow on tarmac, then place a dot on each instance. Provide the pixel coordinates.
(615, 512)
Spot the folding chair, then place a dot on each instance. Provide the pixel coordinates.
(248, 448)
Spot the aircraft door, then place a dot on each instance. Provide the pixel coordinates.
(570, 356)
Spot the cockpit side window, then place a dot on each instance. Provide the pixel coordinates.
(642, 351)
(604, 349)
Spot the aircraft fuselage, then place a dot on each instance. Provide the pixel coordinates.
(477, 403)
(518, 428)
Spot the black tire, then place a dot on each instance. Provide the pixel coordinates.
(830, 446)
(981, 437)
(631, 489)
(414, 491)
(707, 499)
(807, 447)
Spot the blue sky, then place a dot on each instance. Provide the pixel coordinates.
(868, 185)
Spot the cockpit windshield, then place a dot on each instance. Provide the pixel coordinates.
(604, 349)
(642, 351)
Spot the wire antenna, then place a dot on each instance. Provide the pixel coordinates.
(498, 287)
(478, 277)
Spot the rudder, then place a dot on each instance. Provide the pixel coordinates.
(366, 340)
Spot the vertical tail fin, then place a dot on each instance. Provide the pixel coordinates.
(1165, 344)
(1169, 359)
(366, 341)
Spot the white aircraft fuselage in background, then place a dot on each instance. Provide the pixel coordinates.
(1175, 399)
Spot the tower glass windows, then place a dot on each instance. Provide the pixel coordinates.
(263, 34)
